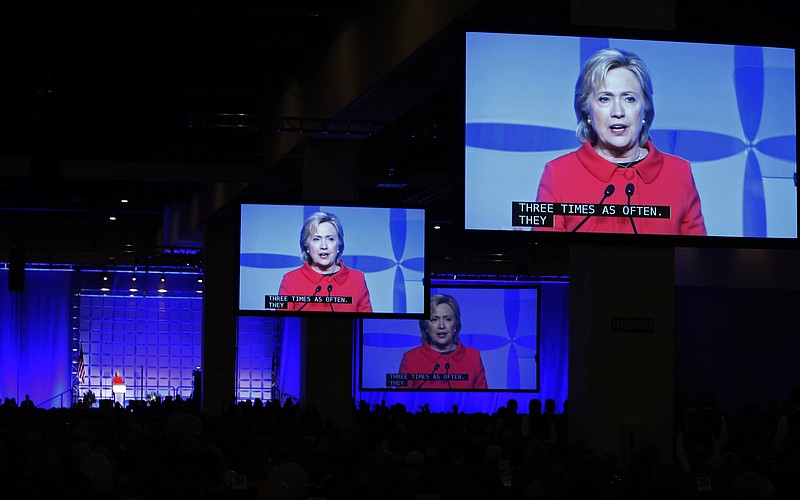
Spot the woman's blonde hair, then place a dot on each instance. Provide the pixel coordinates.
(310, 227)
(591, 77)
(438, 299)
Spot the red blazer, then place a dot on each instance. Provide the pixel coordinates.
(464, 360)
(345, 283)
(659, 179)
(117, 380)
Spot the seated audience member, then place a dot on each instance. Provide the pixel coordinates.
(786, 442)
(786, 445)
(535, 426)
(695, 443)
(714, 419)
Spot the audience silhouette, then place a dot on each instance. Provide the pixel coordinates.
(268, 450)
(714, 419)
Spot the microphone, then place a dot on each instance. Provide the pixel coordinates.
(330, 288)
(629, 192)
(319, 287)
(608, 192)
(435, 367)
(447, 372)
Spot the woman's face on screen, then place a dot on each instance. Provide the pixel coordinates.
(323, 248)
(616, 109)
(442, 328)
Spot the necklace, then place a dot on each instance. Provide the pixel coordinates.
(452, 347)
(331, 273)
(336, 269)
(626, 164)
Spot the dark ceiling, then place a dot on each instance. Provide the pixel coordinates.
(157, 103)
(161, 103)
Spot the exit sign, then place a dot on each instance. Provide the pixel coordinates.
(633, 325)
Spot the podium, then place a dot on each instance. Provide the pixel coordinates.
(119, 393)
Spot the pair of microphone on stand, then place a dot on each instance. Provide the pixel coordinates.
(608, 192)
(319, 288)
(435, 368)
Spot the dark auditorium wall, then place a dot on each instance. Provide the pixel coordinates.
(737, 331)
(621, 379)
(741, 343)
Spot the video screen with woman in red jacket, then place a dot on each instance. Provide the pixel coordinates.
(293, 260)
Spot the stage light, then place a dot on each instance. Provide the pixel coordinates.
(391, 179)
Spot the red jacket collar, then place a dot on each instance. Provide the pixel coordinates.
(315, 277)
(648, 169)
(457, 355)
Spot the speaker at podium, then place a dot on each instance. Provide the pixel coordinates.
(118, 389)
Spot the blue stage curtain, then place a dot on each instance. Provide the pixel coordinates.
(289, 377)
(35, 350)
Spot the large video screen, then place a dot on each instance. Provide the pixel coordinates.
(476, 337)
(342, 260)
(717, 157)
